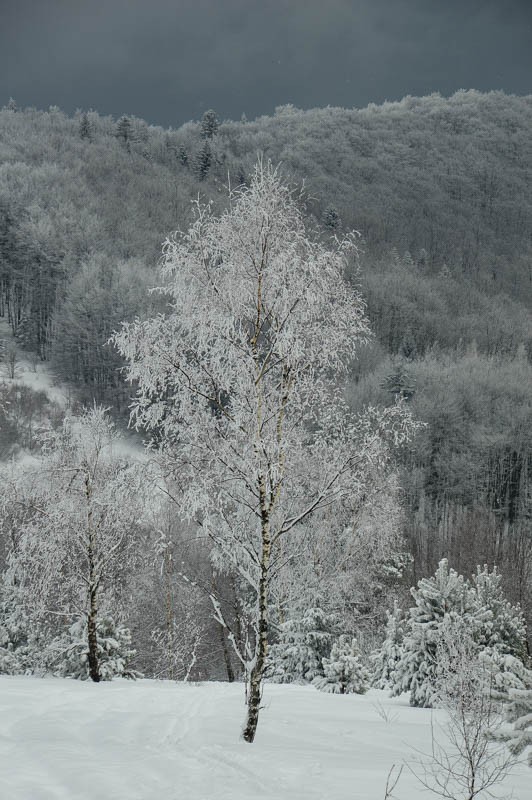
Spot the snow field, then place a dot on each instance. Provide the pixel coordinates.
(158, 740)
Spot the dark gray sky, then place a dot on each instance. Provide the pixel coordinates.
(169, 60)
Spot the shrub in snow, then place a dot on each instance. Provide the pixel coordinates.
(303, 644)
(343, 671)
(114, 651)
(384, 661)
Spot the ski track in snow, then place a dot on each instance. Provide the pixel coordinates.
(149, 740)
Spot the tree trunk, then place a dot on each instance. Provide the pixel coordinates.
(227, 658)
(94, 661)
(257, 672)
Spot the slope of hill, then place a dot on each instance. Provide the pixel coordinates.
(149, 740)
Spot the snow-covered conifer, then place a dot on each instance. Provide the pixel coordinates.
(303, 644)
(385, 659)
(501, 625)
(114, 651)
(21, 642)
(444, 594)
(518, 711)
(343, 671)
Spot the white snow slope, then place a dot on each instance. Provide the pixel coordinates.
(148, 740)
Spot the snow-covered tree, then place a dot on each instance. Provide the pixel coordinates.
(80, 536)
(464, 762)
(203, 160)
(209, 124)
(22, 642)
(494, 625)
(304, 642)
(115, 651)
(518, 711)
(124, 131)
(343, 671)
(501, 625)
(385, 659)
(436, 598)
(239, 381)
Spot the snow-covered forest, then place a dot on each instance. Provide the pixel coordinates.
(265, 414)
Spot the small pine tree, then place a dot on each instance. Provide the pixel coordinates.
(400, 383)
(124, 131)
(203, 161)
(12, 105)
(519, 712)
(331, 218)
(343, 671)
(501, 625)
(385, 660)
(15, 643)
(114, 651)
(209, 124)
(446, 593)
(23, 640)
(506, 671)
(304, 643)
(84, 126)
(480, 610)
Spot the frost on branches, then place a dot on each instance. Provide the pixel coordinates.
(479, 608)
(385, 660)
(519, 712)
(343, 671)
(303, 644)
(240, 382)
(72, 551)
(114, 651)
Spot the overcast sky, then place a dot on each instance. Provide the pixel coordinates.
(170, 60)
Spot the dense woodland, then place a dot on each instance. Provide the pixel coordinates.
(441, 193)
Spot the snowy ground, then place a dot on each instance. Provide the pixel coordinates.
(66, 740)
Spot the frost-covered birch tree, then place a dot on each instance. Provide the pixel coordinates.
(79, 535)
(240, 383)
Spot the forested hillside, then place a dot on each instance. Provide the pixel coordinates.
(441, 193)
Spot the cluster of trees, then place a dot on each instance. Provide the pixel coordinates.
(239, 385)
(448, 607)
(431, 183)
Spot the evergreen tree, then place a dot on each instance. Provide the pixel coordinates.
(343, 672)
(501, 625)
(124, 131)
(331, 218)
(446, 593)
(19, 640)
(519, 712)
(303, 644)
(386, 658)
(203, 161)
(84, 126)
(477, 610)
(209, 124)
(114, 651)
